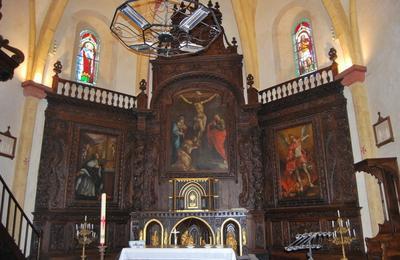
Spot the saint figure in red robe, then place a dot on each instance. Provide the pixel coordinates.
(216, 133)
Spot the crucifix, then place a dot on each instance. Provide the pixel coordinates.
(175, 232)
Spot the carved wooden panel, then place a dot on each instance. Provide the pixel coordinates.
(72, 126)
(308, 167)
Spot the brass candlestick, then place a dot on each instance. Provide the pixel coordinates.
(85, 235)
(342, 234)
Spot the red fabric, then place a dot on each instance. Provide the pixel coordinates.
(217, 138)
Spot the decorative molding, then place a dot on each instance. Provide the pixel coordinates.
(33, 89)
(356, 73)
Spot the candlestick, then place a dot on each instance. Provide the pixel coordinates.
(103, 219)
(85, 235)
(342, 235)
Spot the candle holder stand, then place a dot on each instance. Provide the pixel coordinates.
(342, 236)
(85, 235)
(102, 250)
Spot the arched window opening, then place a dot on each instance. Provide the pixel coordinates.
(88, 58)
(303, 45)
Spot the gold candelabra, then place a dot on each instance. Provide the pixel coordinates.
(342, 234)
(85, 235)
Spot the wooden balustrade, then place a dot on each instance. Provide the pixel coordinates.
(90, 93)
(301, 84)
(295, 86)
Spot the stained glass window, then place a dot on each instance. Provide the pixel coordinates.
(303, 45)
(88, 58)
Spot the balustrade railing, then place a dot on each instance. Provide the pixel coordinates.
(17, 223)
(301, 84)
(90, 93)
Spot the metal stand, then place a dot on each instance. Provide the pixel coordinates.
(305, 242)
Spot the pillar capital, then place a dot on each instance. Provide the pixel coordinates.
(33, 89)
(356, 73)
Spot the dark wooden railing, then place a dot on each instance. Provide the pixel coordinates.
(78, 90)
(301, 84)
(17, 223)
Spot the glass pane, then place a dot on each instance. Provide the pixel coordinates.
(88, 58)
(304, 50)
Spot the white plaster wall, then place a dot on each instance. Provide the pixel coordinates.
(274, 23)
(117, 66)
(14, 27)
(380, 37)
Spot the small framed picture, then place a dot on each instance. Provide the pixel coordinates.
(7, 144)
(383, 131)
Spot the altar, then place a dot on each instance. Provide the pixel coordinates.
(177, 254)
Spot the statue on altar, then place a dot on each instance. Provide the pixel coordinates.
(187, 239)
(155, 240)
(231, 241)
(166, 240)
(141, 237)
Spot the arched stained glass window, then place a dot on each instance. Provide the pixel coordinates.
(303, 45)
(88, 58)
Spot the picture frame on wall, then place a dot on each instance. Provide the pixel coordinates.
(95, 166)
(198, 135)
(7, 144)
(383, 131)
(297, 163)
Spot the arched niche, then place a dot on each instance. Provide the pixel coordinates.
(152, 228)
(197, 227)
(193, 195)
(233, 227)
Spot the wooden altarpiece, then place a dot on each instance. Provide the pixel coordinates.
(206, 92)
(99, 132)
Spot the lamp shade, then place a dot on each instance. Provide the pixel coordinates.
(160, 28)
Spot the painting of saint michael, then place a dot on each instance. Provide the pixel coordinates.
(198, 133)
(298, 172)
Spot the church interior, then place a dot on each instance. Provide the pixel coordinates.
(263, 129)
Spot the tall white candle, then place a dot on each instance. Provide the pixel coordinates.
(103, 219)
(338, 213)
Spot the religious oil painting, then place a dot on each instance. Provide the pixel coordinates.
(198, 133)
(297, 165)
(97, 164)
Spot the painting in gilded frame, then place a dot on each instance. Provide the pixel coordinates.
(97, 165)
(298, 174)
(198, 133)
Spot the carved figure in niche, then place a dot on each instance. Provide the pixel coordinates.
(89, 181)
(216, 133)
(231, 241)
(200, 119)
(218, 238)
(141, 237)
(166, 242)
(299, 171)
(179, 129)
(187, 239)
(244, 237)
(155, 240)
(202, 241)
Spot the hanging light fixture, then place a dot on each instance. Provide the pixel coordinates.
(162, 28)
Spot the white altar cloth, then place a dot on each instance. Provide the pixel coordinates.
(177, 254)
